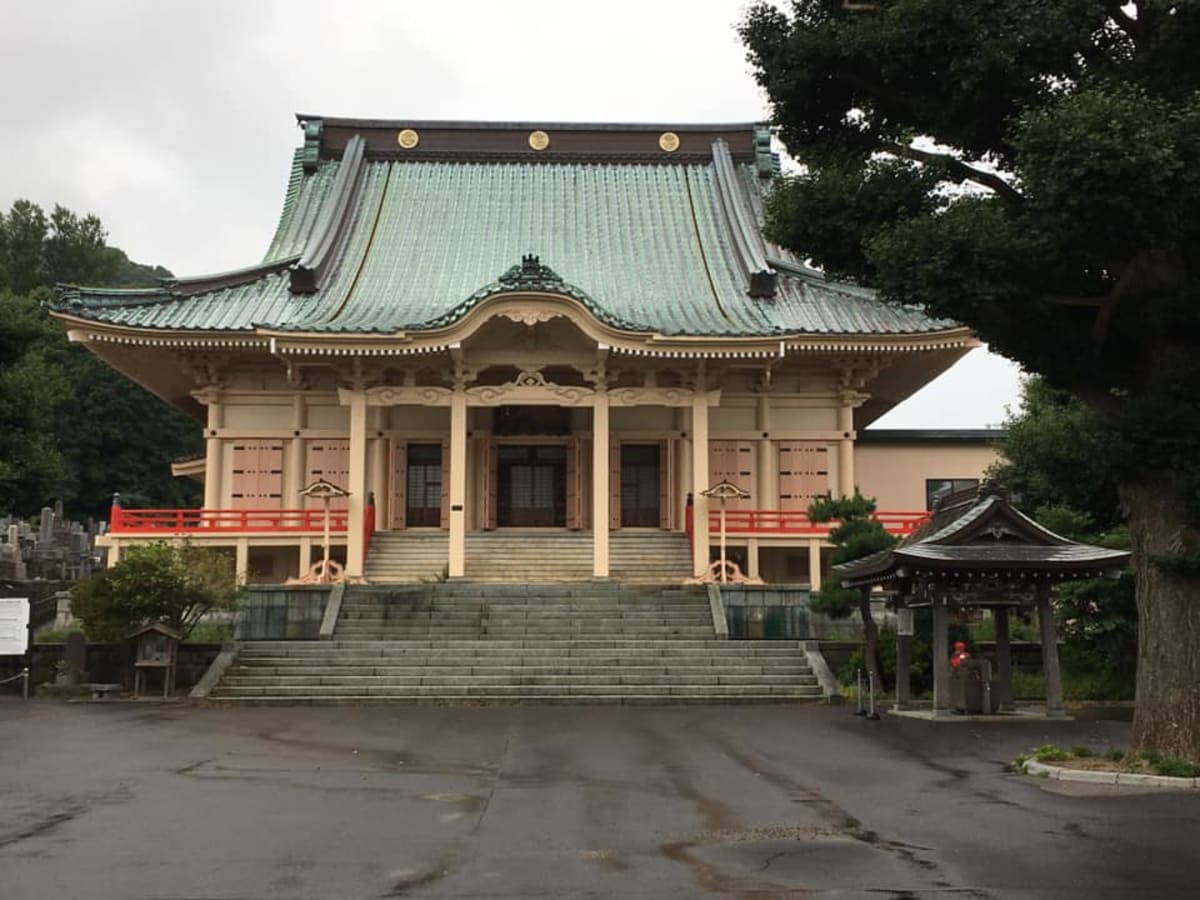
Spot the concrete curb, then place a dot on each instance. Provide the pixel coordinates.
(1089, 776)
(716, 606)
(825, 677)
(333, 607)
(210, 678)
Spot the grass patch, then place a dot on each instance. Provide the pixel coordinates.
(1174, 767)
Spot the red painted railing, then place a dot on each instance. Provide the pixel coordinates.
(753, 522)
(209, 521)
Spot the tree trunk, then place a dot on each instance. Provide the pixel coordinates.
(871, 635)
(1167, 713)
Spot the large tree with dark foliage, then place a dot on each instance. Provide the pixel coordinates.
(1057, 463)
(70, 427)
(1030, 168)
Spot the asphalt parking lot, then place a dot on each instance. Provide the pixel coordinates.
(145, 801)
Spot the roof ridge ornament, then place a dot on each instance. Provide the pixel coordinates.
(531, 275)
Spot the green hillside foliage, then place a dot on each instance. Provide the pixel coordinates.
(70, 427)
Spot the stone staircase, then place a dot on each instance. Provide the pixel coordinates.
(529, 555)
(530, 643)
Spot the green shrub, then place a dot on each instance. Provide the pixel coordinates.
(920, 668)
(211, 633)
(1050, 753)
(1114, 755)
(1151, 756)
(1027, 686)
(1081, 750)
(1176, 768)
(51, 635)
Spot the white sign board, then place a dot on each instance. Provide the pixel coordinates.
(14, 626)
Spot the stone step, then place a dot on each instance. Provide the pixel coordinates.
(561, 679)
(796, 671)
(522, 690)
(614, 699)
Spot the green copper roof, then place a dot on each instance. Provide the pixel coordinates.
(411, 245)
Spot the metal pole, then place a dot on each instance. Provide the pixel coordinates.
(985, 670)
(723, 576)
(325, 564)
(872, 715)
(25, 683)
(860, 711)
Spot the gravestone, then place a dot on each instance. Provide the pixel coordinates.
(74, 660)
(46, 526)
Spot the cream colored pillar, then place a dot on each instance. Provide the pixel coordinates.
(214, 455)
(295, 470)
(305, 548)
(814, 564)
(600, 485)
(357, 501)
(846, 448)
(380, 476)
(458, 483)
(241, 560)
(700, 476)
(768, 461)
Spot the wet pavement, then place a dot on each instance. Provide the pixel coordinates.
(141, 801)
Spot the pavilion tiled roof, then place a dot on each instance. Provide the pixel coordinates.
(983, 536)
(372, 242)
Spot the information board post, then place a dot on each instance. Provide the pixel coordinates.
(14, 634)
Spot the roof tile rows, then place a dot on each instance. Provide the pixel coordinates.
(648, 245)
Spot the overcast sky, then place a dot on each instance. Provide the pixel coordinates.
(173, 122)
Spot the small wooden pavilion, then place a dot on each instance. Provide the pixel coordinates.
(978, 551)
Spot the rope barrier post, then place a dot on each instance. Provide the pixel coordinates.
(859, 693)
(25, 684)
(872, 715)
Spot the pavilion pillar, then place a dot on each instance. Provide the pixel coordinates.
(1054, 691)
(1003, 657)
(457, 563)
(846, 448)
(241, 560)
(213, 454)
(700, 476)
(941, 655)
(814, 564)
(600, 483)
(356, 503)
(904, 658)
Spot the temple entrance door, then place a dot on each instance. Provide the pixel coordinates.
(640, 485)
(423, 497)
(531, 483)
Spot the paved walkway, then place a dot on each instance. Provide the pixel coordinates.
(128, 801)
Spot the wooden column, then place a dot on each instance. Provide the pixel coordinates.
(241, 560)
(768, 460)
(600, 484)
(846, 448)
(941, 656)
(293, 466)
(356, 503)
(1054, 691)
(380, 474)
(814, 564)
(1003, 658)
(903, 670)
(700, 543)
(214, 462)
(458, 483)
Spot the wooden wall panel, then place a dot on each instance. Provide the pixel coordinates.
(803, 473)
(257, 475)
(737, 463)
(329, 460)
